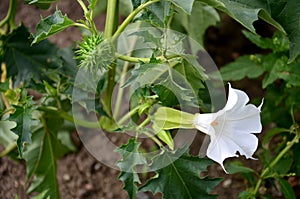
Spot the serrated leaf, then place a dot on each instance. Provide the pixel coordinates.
(157, 13)
(41, 156)
(283, 15)
(51, 25)
(181, 177)
(7, 136)
(23, 117)
(24, 61)
(186, 5)
(131, 157)
(163, 75)
(244, 66)
(43, 4)
(195, 24)
(286, 189)
(245, 12)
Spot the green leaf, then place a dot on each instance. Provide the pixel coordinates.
(244, 66)
(7, 136)
(195, 24)
(186, 5)
(181, 177)
(158, 13)
(163, 75)
(286, 189)
(287, 13)
(131, 158)
(24, 61)
(51, 25)
(41, 156)
(245, 12)
(43, 4)
(283, 15)
(278, 43)
(4, 86)
(237, 167)
(23, 117)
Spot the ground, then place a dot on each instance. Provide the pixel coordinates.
(80, 175)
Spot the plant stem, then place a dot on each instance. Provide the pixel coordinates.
(144, 123)
(8, 149)
(129, 115)
(111, 24)
(152, 137)
(111, 15)
(70, 118)
(130, 18)
(145, 60)
(274, 162)
(84, 8)
(10, 17)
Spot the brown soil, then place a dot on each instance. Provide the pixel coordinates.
(80, 175)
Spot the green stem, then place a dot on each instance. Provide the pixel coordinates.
(129, 114)
(8, 149)
(84, 8)
(274, 162)
(111, 15)
(70, 118)
(82, 25)
(130, 18)
(120, 90)
(144, 123)
(10, 17)
(152, 137)
(145, 60)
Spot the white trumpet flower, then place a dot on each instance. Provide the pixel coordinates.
(231, 129)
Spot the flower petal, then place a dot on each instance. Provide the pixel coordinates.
(202, 122)
(225, 147)
(246, 120)
(236, 99)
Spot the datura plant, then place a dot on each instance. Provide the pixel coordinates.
(147, 79)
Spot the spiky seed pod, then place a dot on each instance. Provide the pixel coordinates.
(95, 54)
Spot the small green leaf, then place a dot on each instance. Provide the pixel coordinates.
(7, 136)
(51, 25)
(244, 66)
(286, 189)
(166, 118)
(131, 158)
(4, 86)
(186, 5)
(181, 177)
(43, 4)
(23, 117)
(237, 167)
